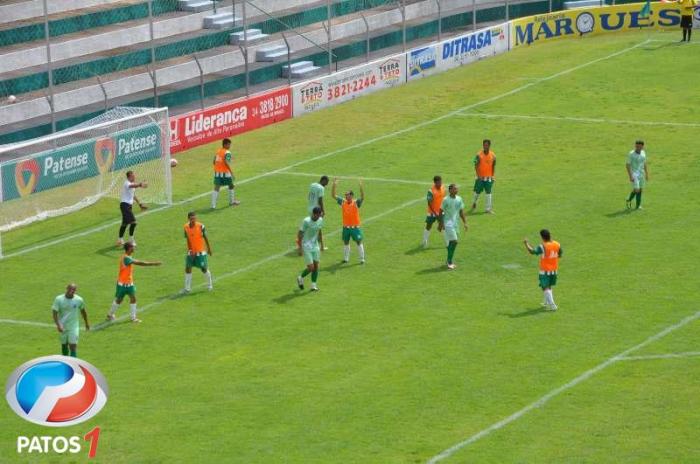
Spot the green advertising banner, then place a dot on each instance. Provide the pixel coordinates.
(80, 161)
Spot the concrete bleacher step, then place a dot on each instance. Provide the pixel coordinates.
(220, 21)
(195, 6)
(251, 35)
(300, 69)
(269, 54)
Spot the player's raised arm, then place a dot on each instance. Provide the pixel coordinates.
(362, 192)
(138, 262)
(529, 247)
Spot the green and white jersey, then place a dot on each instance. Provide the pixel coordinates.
(68, 310)
(310, 228)
(451, 208)
(315, 193)
(637, 161)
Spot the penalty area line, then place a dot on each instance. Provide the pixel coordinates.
(579, 119)
(688, 354)
(249, 267)
(369, 179)
(544, 399)
(32, 323)
(370, 141)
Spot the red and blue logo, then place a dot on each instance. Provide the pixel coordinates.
(56, 391)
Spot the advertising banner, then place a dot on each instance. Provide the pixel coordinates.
(422, 62)
(346, 85)
(73, 163)
(472, 47)
(203, 126)
(581, 22)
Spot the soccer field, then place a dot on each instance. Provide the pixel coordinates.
(400, 360)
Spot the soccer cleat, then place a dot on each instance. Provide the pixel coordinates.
(489, 211)
(111, 317)
(639, 207)
(300, 282)
(136, 320)
(314, 287)
(628, 204)
(552, 307)
(132, 241)
(210, 288)
(451, 266)
(120, 242)
(345, 261)
(234, 203)
(184, 291)
(424, 244)
(362, 261)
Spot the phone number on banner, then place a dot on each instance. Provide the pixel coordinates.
(351, 87)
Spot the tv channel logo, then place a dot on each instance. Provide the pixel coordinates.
(56, 391)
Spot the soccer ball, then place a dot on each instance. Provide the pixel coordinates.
(173, 162)
(11, 99)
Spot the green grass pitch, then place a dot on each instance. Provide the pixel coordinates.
(399, 360)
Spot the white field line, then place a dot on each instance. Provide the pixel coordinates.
(340, 150)
(369, 179)
(37, 324)
(577, 119)
(254, 265)
(675, 41)
(544, 399)
(688, 354)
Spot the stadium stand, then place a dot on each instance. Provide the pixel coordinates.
(103, 56)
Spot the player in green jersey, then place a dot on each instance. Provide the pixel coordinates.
(311, 239)
(65, 310)
(637, 172)
(451, 209)
(315, 199)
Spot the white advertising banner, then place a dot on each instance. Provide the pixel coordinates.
(346, 85)
(457, 51)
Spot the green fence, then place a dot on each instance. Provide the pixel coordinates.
(232, 83)
(73, 24)
(129, 60)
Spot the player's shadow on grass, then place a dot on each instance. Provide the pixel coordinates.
(433, 270)
(335, 267)
(526, 313)
(111, 251)
(622, 212)
(284, 299)
(415, 250)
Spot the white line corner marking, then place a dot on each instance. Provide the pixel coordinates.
(543, 400)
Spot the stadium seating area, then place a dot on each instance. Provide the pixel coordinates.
(102, 55)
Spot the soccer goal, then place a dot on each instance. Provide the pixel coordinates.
(72, 169)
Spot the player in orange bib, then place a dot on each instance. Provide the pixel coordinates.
(436, 194)
(223, 175)
(125, 282)
(351, 220)
(197, 250)
(549, 252)
(485, 169)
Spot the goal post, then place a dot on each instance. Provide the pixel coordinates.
(69, 170)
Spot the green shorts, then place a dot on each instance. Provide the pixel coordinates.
(312, 255)
(199, 261)
(638, 181)
(548, 280)
(354, 233)
(123, 290)
(480, 185)
(430, 219)
(451, 234)
(69, 336)
(223, 181)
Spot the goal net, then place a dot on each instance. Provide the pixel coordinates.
(69, 170)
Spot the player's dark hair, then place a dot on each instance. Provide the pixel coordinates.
(639, 142)
(546, 236)
(128, 246)
(225, 142)
(486, 141)
(324, 179)
(437, 179)
(317, 210)
(451, 185)
(190, 214)
(128, 173)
